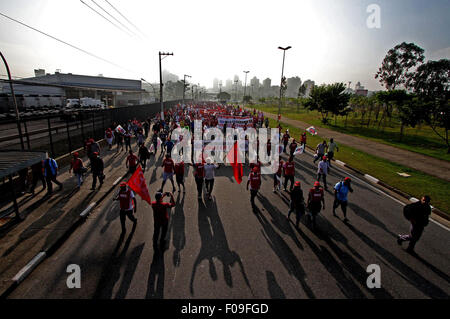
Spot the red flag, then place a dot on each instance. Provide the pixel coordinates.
(233, 158)
(137, 184)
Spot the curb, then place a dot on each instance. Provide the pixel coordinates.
(36, 260)
(376, 181)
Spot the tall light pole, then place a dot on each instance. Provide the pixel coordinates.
(161, 83)
(154, 91)
(19, 128)
(245, 86)
(281, 84)
(184, 85)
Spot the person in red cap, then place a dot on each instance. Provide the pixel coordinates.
(179, 175)
(169, 167)
(77, 167)
(254, 180)
(109, 137)
(322, 170)
(132, 162)
(128, 204)
(316, 201)
(341, 190)
(297, 203)
(97, 166)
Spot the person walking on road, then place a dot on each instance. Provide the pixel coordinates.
(109, 137)
(277, 177)
(127, 139)
(316, 201)
(128, 205)
(131, 162)
(77, 167)
(289, 173)
(292, 147)
(210, 169)
(161, 219)
(97, 166)
(169, 167)
(254, 180)
(179, 175)
(119, 141)
(38, 174)
(320, 150)
(331, 148)
(155, 143)
(297, 203)
(50, 173)
(285, 139)
(303, 139)
(199, 175)
(418, 214)
(144, 155)
(322, 171)
(341, 190)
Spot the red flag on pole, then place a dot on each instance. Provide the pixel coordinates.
(137, 184)
(233, 158)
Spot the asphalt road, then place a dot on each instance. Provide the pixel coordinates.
(222, 249)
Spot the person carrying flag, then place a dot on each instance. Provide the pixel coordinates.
(254, 180)
(161, 218)
(316, 201)
(341, 190)
(128, 204)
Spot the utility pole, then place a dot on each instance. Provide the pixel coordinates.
(281, 84)
(19, 128)
(161, 83)
(245, 86)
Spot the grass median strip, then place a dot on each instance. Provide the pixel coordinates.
(418, 184)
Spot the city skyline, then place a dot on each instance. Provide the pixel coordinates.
(330, 42)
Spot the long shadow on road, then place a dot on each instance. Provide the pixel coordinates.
(177, 229)
(214, 244)
(155, 285)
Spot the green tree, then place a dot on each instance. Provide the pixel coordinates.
(396, 67)
(431, 83)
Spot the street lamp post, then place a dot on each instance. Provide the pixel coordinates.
(19, 128)
(154, 91)
(184, 85)
(245, 86)
(281, 84)
(161, 83)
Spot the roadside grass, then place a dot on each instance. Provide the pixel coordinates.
(421, 139)
(417, 185)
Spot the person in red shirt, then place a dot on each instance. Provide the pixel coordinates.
(303, 139)
(199, 175)
(77, 166)
(289, 173)
(128, 205)
(254, 180)
(132, 162)
(169, 167)
(161, 218)
(316, 201)
(293, 147)
(179, 175)
(257, 165)
(285, 139)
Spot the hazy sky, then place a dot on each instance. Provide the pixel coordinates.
(330, 39)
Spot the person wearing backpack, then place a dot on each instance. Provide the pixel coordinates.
(418, 214)
(341, 190)
(77, 167)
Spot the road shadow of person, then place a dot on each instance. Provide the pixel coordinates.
(370, 218)
(111, 272)
(177, 229)
(214, 244)
(284, 253)
(113, 214)
(275, 290)
(413, 277)
(155, 284)
(130, 269)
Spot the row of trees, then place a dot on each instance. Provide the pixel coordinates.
(416, 92)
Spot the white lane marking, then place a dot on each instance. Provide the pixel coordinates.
(340, 163)
(88, 209)
(413, 199)
(117, 181)
(382, 192)
(29, 267)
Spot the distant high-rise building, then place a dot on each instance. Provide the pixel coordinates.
(167, 76)
(267, 83)
(293, 84)
(309, 86)
(228, 85)
(216, 84)
(255, 82)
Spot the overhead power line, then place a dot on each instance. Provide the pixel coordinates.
(121, 29)
(131, 31)
(125, 18)
(66, 43)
